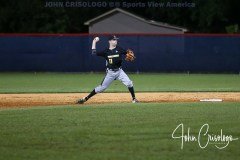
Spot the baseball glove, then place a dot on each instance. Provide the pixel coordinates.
(130, 55)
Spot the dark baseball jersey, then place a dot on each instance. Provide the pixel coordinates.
(113, 57)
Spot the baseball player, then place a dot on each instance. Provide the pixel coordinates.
(113, 56)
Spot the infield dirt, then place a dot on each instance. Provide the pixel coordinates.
(30, 100)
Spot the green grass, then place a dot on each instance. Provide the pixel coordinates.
(115, 131)
(85, 82)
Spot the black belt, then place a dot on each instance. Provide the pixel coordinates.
(114, 69)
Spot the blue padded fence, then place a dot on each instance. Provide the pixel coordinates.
(155, 53)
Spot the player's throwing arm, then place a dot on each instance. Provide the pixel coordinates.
(95, 40)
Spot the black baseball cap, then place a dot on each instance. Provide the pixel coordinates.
(112, 37)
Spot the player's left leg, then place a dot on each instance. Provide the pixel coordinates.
(123, 77)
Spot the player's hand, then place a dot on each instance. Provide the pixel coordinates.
(96, 39)
(130, 55)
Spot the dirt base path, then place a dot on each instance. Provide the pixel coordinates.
(29, 100)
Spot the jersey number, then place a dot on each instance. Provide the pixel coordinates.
(110, 60)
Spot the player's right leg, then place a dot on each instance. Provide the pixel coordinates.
(108, 79)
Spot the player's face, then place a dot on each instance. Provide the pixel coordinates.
(113, 42)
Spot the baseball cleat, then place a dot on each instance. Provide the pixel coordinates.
(135, 100)
(81, 101)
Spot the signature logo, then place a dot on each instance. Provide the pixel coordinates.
(203, 138)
